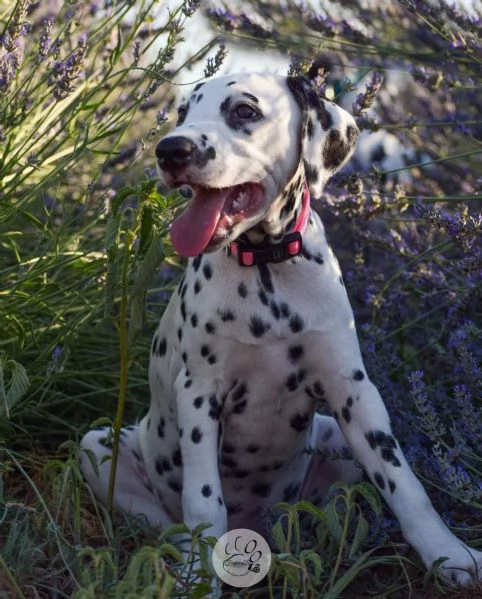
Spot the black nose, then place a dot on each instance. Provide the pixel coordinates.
(175, 152)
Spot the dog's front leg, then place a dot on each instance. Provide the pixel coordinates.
(359, 409)
(198, 420)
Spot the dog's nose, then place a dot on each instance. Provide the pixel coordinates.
(175, 152)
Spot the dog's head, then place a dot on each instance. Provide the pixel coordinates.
(239, 139)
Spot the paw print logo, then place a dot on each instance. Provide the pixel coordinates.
(241, 557)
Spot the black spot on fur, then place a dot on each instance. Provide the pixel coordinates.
(345, 412)
(291, 382)
(265, 277)
(257, 327)
(187, 384)
(210, 328)
(105, 442)
(242, 290)
(311, 173)
(183, 310)
(194, 320)
(198, 402)
(319, 258)
(263, 297)
(295, 353)
(212, 359)
(300, 422)
(166, 465)
(240, 407)
(358, 375)
(261, 489)
(220, 501)
(205, 350)
(198, 86)
(335, 150)
(207, 271)
(379, 480)
(285, 310)
(296, 323)
(239, 392)
(275, 311)
(318, 388)
(196, 263)
(160, 427)
(179, 334)
(206, 491)
(226, 315)
(197, 286)
(392, 486)
(196, 435)
(175, 485)
(159, 468)
(310, 129)
(349, 401)
(176, 458)
(387, 445)
(215, 408)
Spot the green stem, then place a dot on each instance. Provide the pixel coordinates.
(339, 557)
(124, 369)
(11, 579)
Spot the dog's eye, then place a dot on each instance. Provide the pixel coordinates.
(245, 112)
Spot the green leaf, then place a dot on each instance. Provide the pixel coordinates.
(279, 536)
(359, 536)
(313, 564)
(333, 522)
(17, 387)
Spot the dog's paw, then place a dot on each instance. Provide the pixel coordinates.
(463, 567)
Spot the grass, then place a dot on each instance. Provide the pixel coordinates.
(87, 269)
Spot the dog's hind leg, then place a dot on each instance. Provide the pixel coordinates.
(133, 492)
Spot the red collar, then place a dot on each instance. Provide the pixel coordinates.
(291, 245)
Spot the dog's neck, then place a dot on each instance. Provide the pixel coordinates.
(283, 214)
(279, 236)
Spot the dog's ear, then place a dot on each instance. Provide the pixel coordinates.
(328, 134)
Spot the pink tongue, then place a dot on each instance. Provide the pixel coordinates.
(192, 230)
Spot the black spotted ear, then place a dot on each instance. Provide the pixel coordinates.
(328, 134)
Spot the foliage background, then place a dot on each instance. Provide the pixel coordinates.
(86, 270)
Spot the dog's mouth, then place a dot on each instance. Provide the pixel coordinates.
(211, 216)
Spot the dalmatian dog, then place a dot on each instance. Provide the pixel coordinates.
(259, 332)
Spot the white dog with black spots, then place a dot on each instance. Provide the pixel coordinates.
(259, 332)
